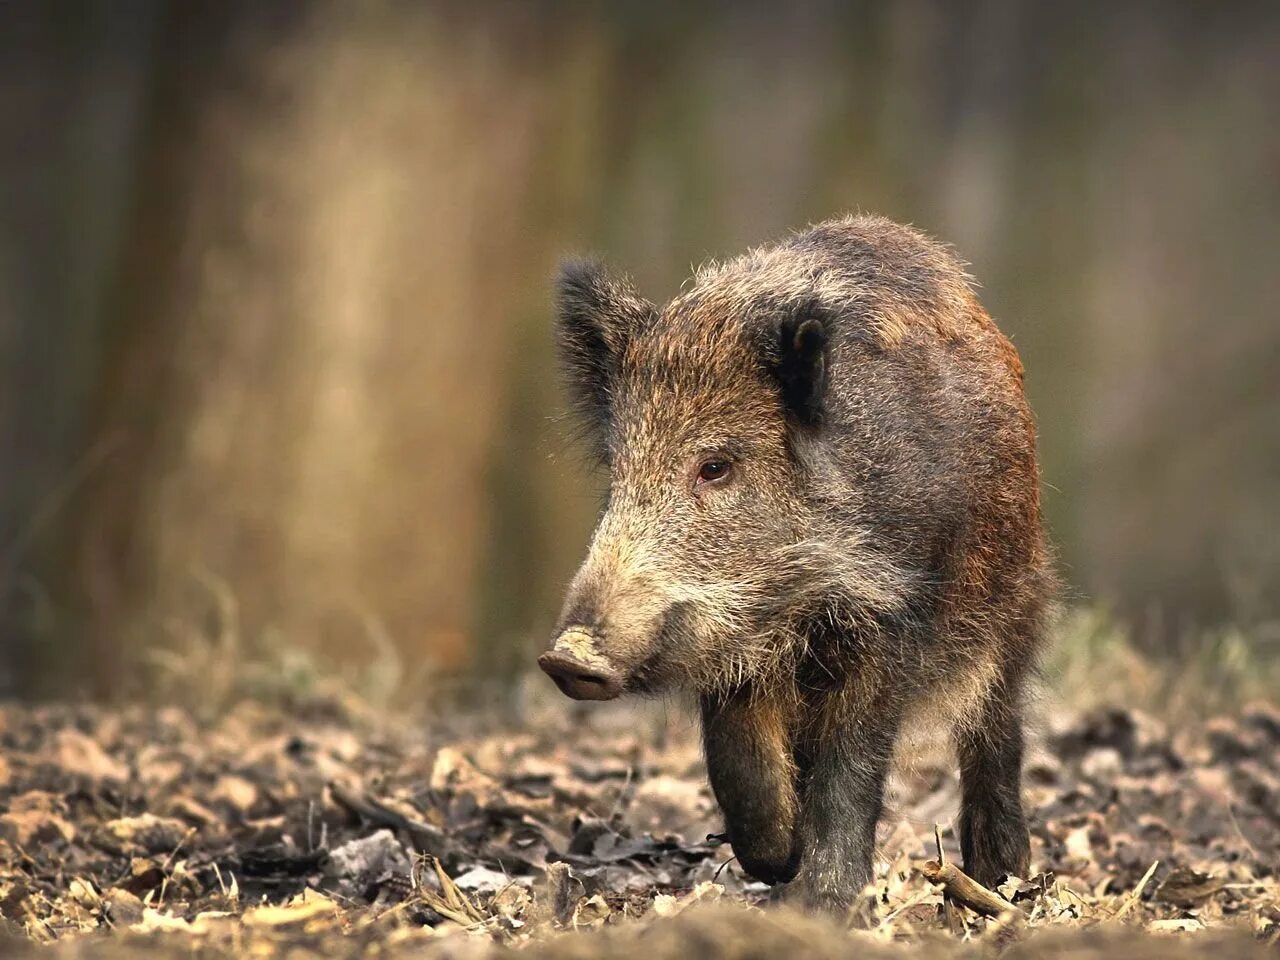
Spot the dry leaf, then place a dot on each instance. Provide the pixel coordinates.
(1185, 887)
(236, 792)
(82, 756)
(144, 833)
(590, 913)
(83, 893)
(306, 908)
(28, 827)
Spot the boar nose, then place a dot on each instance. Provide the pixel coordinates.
(578, 678)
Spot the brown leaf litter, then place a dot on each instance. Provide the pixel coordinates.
(140, 832)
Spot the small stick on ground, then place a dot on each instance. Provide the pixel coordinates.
(1137, 893)
(425, 837)
(963, 889)
(959, 886)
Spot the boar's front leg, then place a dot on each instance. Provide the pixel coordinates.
(993, 830)
(747, 739)
(845, 758)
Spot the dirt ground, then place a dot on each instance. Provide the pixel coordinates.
(326, 831)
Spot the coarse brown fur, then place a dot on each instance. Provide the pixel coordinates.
(873, 551)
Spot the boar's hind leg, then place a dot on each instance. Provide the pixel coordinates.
(749, 762)
(846, 767)
(993, 831)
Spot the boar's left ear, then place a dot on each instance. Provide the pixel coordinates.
(800, 362)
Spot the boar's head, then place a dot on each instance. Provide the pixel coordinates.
(709, 417)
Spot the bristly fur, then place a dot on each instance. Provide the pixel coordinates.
(874, 552)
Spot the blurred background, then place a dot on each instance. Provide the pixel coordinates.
(275, 353)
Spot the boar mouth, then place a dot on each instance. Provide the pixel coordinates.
(578, 669)
(661, 670)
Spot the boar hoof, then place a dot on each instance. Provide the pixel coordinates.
(772, 870)
(846, 899)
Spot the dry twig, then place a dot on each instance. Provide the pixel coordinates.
(1137, 892)
(959, 886)
(425, 837)
(963, 889)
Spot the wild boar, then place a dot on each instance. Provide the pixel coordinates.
(823, 521)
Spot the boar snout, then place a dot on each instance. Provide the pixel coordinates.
(578, 668)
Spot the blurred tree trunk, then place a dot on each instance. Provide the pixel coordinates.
(306, 338)
(186, 187)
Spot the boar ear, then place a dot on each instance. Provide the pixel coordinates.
(596, 314)
(801, 363)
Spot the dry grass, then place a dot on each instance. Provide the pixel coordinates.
(1095, 662)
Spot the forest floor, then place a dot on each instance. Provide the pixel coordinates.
(323, 830)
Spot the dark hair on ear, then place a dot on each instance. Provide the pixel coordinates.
(596, 314)
(801, 361)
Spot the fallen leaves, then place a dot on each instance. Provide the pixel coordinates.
(260, 833)
(33, 818)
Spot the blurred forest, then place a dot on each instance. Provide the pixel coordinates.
(275, 360)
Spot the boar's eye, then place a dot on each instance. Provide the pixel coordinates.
(712, 470)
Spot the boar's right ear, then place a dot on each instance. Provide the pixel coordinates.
(800, 363)
(596, 314)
